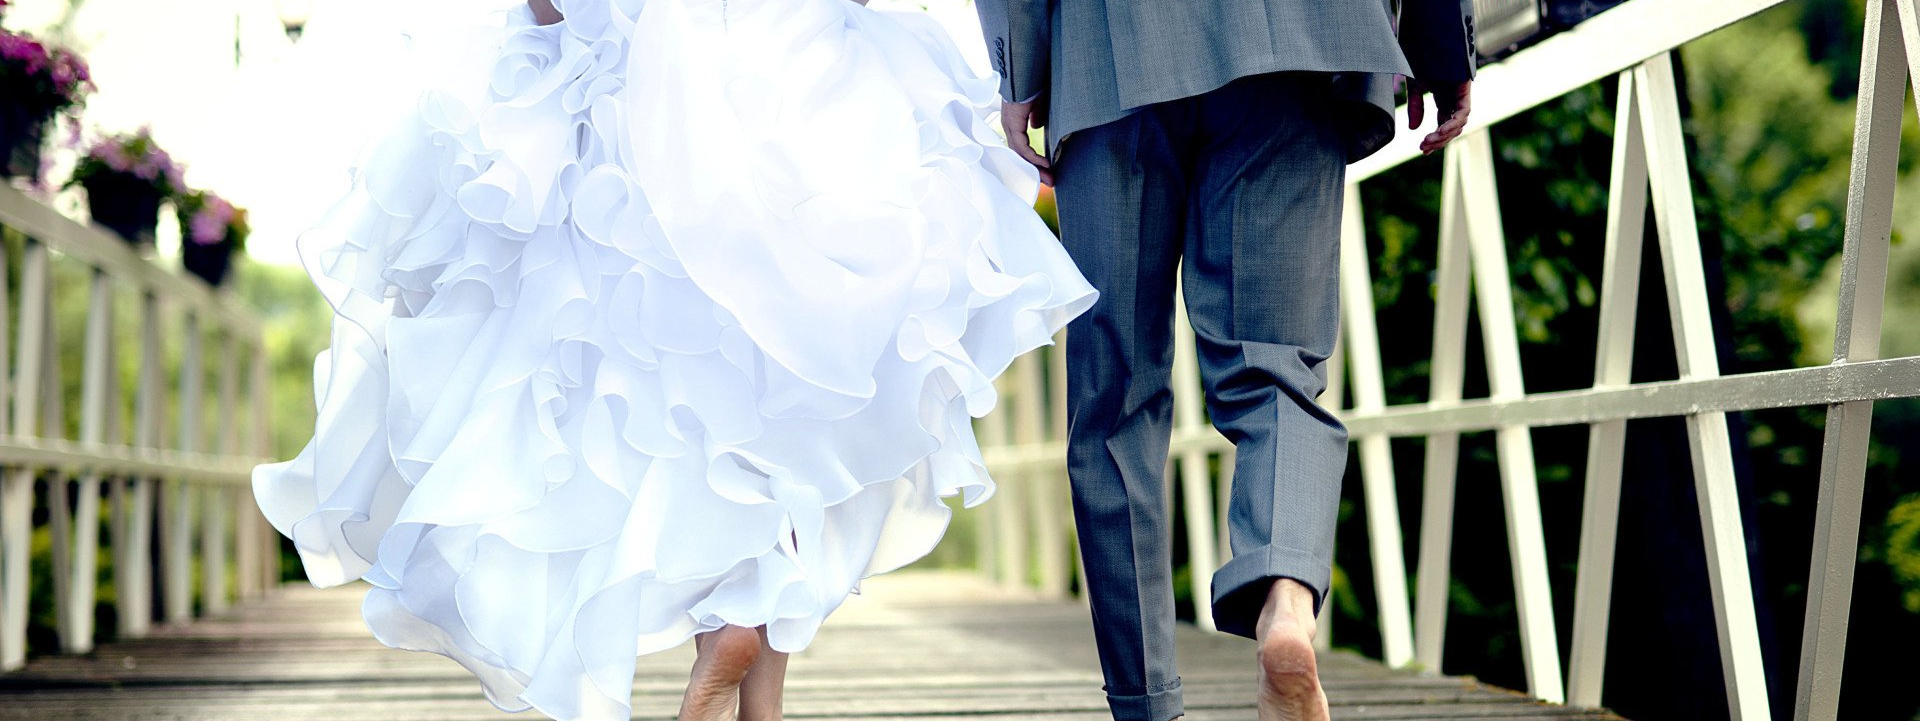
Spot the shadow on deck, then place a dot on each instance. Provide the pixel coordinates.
(922, 645)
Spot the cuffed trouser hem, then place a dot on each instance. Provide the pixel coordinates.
(1240, 587)
(1159, 703)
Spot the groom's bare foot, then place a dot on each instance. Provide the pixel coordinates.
(713, 691)
(1289, 673)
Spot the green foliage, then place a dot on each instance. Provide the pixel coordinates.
(1903, 549)
(296, 319)
(1774, 153)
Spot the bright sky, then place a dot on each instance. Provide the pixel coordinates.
(275, 125)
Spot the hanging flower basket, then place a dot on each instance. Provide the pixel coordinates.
(212, 232)
(125, 204)
(36, 83)
(209, 262)
(21, 136)
(126, 178)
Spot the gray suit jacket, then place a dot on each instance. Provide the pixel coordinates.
(1096, 61)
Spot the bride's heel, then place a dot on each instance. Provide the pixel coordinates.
(713, 690)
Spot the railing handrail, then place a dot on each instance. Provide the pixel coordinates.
(102, 249)
(1786, 388)
(1598, 48)
(79, 458)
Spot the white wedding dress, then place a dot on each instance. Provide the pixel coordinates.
(669, 316)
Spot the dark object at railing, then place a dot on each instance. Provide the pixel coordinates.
(125, 204)
(1504, 26)
(21, 134)
(208, 261)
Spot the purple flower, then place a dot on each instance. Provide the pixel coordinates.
(206, 228)
(213, 221)
(135, 154)
(116, 158)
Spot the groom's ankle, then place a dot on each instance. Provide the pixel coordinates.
(1289, 602)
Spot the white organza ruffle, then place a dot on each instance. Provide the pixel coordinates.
(670, 316)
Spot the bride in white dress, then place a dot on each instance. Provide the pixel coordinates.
(659, 320)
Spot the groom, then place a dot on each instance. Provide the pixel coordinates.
(1209, 138)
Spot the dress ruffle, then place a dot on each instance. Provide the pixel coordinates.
(670, 316)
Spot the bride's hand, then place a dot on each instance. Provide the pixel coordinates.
(544, 12)
(1015, 118)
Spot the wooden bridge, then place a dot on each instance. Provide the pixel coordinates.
(928, 646)
(133, 440)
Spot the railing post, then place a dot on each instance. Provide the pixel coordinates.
(1526, 538)
(60, 506)
(1863, 278)
(262, 447)
(1223, 489)
(76, 609)
(1361, 345)
(1196, 484)
(1044, 492)
(217, 506)
(1446, 377)
(17, 496)
(1333, 399)
(119, 498)
(246, 526)
(1057, 416)
(16, 510)
(134, 571)
(1010, 539)
(986, 536)
(1612, 367)
(1707, 434)
(178, 496)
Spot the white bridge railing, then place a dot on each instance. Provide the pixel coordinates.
(1025, 447)
(184, 483)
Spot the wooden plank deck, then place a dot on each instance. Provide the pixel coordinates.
(925, 646)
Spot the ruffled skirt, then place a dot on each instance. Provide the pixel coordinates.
(670, 316)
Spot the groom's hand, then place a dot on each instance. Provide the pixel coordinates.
(1015, 118)
(1451, 102)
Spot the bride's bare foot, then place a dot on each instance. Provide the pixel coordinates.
(1289, 673)
(763, 691)
(713, 691)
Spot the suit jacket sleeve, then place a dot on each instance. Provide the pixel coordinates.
(1437, 37)
(1019, 42)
